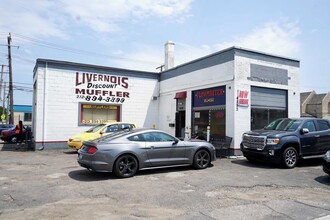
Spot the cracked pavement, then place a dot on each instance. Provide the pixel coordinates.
(51, 185)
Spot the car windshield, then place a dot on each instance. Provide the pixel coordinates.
(286, 124)
(96, 128)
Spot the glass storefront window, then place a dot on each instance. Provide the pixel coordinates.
(218, 122)
(215, 118)
(261, 117)
(95, 114)
(200, 123)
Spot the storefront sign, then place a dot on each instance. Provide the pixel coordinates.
(209, 97)
(242, 98)
(102, 88)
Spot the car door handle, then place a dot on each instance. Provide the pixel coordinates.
(317, 135)
(150, 147)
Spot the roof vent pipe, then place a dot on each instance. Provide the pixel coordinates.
(169, 55)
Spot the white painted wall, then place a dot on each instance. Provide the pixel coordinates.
(57, 105)
(218, 75)
(234, 75)
(242, 114)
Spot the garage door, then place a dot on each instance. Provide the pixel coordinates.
(268, 98)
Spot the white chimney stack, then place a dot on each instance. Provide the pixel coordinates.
(169, 55)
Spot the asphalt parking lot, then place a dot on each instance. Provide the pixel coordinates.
(50, 184)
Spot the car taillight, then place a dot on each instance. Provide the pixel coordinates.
(91, 150)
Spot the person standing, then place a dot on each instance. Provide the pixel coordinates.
(19, 132)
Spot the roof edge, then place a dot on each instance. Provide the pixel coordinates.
(60, 62)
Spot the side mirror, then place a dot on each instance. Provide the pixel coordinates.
(175, 141)
(304, 131)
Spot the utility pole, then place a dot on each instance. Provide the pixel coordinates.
(4, 100)
(11, 96)
(1, 81)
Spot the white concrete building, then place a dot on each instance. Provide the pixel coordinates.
(71, 97)
(217, 96)
(228, 93)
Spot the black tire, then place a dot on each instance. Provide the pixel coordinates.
(202, 159)
(290, 157)
(126, 166)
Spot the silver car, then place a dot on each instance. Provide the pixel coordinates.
(126, 152)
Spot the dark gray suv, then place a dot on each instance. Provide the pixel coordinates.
(286, 140)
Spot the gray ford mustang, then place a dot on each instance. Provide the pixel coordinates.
(126, 152)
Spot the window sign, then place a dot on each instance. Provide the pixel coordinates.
(242, 98)
(96, 114)
(209, 97)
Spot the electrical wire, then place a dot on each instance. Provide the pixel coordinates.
(50, 45)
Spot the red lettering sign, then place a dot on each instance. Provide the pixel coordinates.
(242, 98)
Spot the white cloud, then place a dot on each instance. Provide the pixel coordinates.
(39, 18)
(279, 38)
(148, 57)
(106, 16)
(143, 57)
(35, 19)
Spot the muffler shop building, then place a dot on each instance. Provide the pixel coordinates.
(216, 97)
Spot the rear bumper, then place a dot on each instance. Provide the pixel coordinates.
(86, 161)
(74, 145)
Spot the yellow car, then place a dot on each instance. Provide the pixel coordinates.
(76, 141)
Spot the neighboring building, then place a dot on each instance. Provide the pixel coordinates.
(315, 105)
(23, 113)
(217, 96)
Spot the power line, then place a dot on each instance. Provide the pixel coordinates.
(42, 43)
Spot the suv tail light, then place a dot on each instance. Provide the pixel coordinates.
(91, 150)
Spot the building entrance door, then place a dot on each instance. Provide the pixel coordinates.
(180, 124)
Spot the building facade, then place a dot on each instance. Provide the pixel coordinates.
(22, 113)
(71, 97)
(217, 97)
(227, 93)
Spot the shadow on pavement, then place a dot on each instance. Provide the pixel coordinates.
(70, 152)
(277, 165)
(323, 180)
(309, 162)
(85, 175)
(15, 147)
(89, 176)
(256, 164)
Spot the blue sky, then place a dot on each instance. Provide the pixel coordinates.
(131, 34)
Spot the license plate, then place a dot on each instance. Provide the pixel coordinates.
(80, 157)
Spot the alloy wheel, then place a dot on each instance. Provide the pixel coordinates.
(126, 166)
(290, 157)
(202, 159)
